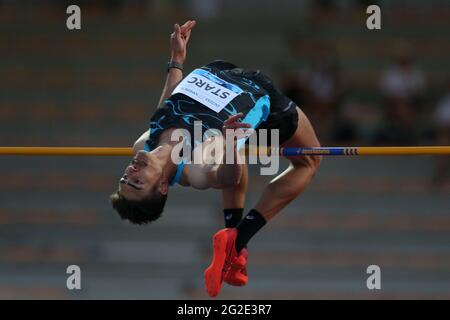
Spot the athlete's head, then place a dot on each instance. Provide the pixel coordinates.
(143, 188)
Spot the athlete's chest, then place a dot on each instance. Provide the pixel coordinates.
(209, 153)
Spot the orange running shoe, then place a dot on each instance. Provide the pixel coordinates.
(224, 255)
(237, 275)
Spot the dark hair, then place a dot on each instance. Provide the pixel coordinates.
(139, 212)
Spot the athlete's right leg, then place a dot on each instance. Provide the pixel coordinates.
(289, 184)
(285, 187)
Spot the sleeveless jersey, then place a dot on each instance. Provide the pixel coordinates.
(210, 94)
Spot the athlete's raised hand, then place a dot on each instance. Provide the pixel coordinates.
(233, 123)
(179, 40)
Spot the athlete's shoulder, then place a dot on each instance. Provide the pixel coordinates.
(161, 111)
(196, 176)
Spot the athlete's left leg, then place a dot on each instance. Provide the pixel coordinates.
(234, 200)
(228, 243)
(233, 204)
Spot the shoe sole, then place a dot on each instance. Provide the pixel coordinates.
(213, 274)
(233, 278)
(237, 282)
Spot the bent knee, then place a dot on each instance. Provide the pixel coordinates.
(310, 162)
(317, 160)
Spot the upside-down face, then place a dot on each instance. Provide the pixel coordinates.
(142, 176)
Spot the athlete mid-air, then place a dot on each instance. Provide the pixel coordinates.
(223, 97)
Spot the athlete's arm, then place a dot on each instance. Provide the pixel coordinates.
(139, 144)
(178, 43)
(226, 175)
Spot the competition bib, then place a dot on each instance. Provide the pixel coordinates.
(208, 89)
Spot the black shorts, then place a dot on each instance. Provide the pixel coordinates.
(283, 112)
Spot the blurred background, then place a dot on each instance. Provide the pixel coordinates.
(98, 86)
